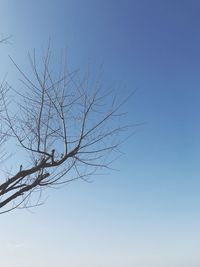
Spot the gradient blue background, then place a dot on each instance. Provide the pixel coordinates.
(148, 214)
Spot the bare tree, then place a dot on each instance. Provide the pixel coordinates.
(66, 126)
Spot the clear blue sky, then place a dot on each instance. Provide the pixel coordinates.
(148, 213)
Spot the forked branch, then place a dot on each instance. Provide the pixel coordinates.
(67, 127)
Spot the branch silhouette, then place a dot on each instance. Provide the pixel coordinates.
(66, 126)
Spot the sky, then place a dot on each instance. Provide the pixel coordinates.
(147, 213)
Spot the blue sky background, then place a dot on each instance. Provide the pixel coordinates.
(148, 213)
